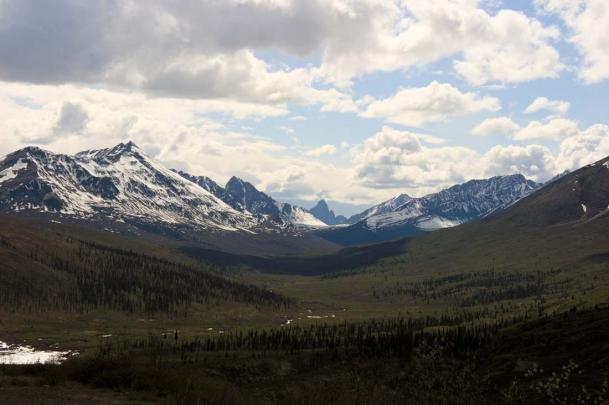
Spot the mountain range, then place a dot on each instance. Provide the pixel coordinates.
(405, 216)
(244, 197)
(122, 185)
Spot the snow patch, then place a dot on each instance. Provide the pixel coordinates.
(433, 223)
(15, 354)
(302, 217)
(11, 172)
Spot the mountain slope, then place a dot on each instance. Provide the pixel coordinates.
(56, 267)
(577, 197)
(382, 208)
(453, 206)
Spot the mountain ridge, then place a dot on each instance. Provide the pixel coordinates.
(453, 206)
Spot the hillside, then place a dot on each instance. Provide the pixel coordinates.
(48, 268)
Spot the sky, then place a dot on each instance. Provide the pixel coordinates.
(354, 101)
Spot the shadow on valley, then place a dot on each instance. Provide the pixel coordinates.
(345, 259)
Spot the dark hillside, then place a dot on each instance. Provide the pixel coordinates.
(44, 270)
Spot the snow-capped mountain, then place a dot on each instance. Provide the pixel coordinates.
(203, 181)
(245, 197)
(457, 204)
(382, 208)
(322, 212)
(120, 183)
(453, 206)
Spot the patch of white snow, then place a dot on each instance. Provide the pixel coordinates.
(11, 172)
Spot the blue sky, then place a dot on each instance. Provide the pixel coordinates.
(352, 101)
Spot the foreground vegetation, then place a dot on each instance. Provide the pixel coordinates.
(560, 359)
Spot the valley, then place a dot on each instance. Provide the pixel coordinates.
(464, 297)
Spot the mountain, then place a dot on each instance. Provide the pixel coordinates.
(121, 184)
(322, 212)
(205, 182)
(453, 206)
(244, 197)
(578, 197)
(382, 208)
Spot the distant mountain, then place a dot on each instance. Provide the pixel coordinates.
(453, 206)
(322, 212)
(245, 197)
(382, 208)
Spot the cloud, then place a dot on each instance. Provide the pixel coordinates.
(397, 159)
(555, 129)
(533, 161)
(435, 102)
(586, 147)
(508, 47)
(322, 150)
(587, 21)
(495, 126)
(208, 49)
(170, 49)
(514, 49)
(73, 118)
(543, 103)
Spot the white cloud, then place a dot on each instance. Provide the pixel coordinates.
(543, 103)
(586, 147)
(508, 47)
(512, 48)
(72, 119)
(396, 159)
(495, 126)
(322, 150)
(588, 21)
(555, 129)
(435, 102)
(533, 161)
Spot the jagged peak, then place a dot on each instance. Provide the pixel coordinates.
(127, 147)
(122, 149)
(34, 150)
(321, 204)
(236, 180)
(238, 183)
